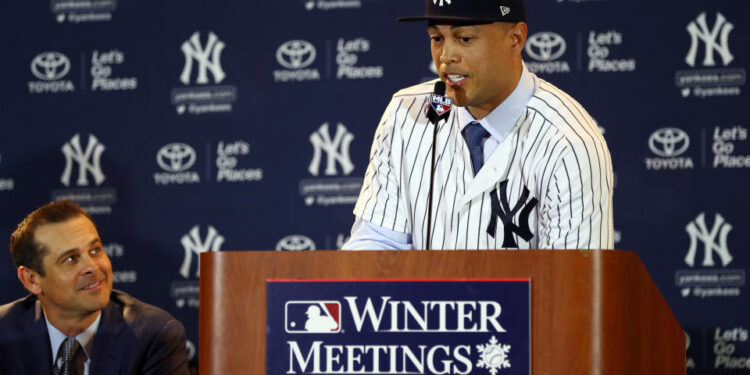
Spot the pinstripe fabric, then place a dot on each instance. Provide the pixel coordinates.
(555, 150)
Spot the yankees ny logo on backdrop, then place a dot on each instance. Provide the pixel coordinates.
(698, 230)
(337, 150)
(194, 51)
(698, 30)
(501, 209)
(193, 245)
(88, 161)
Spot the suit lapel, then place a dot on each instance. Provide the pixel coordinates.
(493, 171)
(107, 356)
(35, 350)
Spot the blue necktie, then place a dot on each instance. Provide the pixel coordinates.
(475, 135)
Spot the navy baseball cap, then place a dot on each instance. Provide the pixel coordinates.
(471, 11)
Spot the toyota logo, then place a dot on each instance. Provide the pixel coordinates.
(545, 46)
(295, 242)
(669, 142)
(176, 157)
(50, 66)
(296, 54)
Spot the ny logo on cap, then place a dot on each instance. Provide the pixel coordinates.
(441, 2)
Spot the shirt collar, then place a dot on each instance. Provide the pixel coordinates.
(85, 338)
(500, 121)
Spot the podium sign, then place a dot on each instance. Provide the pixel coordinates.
(427, 326)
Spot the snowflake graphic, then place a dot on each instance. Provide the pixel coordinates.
(493, 356)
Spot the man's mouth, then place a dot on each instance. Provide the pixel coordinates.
(454, 80)
(92, 286)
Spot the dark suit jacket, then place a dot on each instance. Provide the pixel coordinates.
(133, 338)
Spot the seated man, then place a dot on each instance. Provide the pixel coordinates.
(73, 322)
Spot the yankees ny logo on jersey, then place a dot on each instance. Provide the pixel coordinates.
(502, 210)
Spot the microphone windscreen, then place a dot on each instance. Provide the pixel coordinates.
(440, 88)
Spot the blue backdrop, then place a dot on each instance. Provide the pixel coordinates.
(192, 126)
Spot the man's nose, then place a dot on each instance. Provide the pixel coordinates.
(449, 55)
(88, 263)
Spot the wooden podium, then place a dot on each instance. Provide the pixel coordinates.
(592, 312)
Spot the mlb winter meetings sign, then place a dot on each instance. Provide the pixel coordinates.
(398, 327)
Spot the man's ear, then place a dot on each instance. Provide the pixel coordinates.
(518, 32)
(30, 280)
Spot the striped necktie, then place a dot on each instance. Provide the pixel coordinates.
(68, 352)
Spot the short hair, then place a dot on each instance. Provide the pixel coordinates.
(23, 246)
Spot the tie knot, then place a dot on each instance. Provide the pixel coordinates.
(475, 134)
(69, 346)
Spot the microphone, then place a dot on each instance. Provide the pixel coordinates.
(440, 105)
(439, 109)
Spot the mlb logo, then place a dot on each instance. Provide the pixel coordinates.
(441, 104)
(312, 317)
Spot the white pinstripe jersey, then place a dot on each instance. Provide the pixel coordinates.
(555, 150)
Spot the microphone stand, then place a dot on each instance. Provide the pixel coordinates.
(434, 116)
(432, 180)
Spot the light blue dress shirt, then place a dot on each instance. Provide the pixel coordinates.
(85, 339)
(499, 122)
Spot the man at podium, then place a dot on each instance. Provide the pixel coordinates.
(518, 162)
